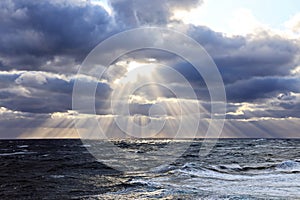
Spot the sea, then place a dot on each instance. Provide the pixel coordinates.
(233, 169)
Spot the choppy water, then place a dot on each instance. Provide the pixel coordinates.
(235, 169)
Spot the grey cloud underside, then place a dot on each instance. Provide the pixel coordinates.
(34, 32)
(55, 37)
(43, 92)
(242, 58)
(255, 88)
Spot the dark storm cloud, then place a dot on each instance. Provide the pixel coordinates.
(241, 58)
(248, 63)
(33, 32)
(282, 105)
(55, 36)
(42, 92)
(255, 88)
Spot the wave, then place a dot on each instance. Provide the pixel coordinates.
(163, 169)
(230, 168)
(57, 176)
(16, 153)
(288, 166)
(23, 146)
(227, 168)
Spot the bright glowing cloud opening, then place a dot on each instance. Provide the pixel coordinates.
(104, 4)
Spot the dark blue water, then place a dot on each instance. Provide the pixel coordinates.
(234, 169)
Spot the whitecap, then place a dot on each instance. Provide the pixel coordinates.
(85, 145)
(16, 153)
(23, 146)
(57, 176)
(231, 167)
(162, 169)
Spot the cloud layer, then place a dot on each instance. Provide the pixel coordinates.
(44, 43)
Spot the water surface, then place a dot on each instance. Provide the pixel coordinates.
(234, 169)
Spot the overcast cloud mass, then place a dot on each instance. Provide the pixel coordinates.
(43, 43)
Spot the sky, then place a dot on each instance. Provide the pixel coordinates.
(254, 44)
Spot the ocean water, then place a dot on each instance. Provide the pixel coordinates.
(234, 169)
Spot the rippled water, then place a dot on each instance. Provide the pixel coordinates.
(234, 169)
